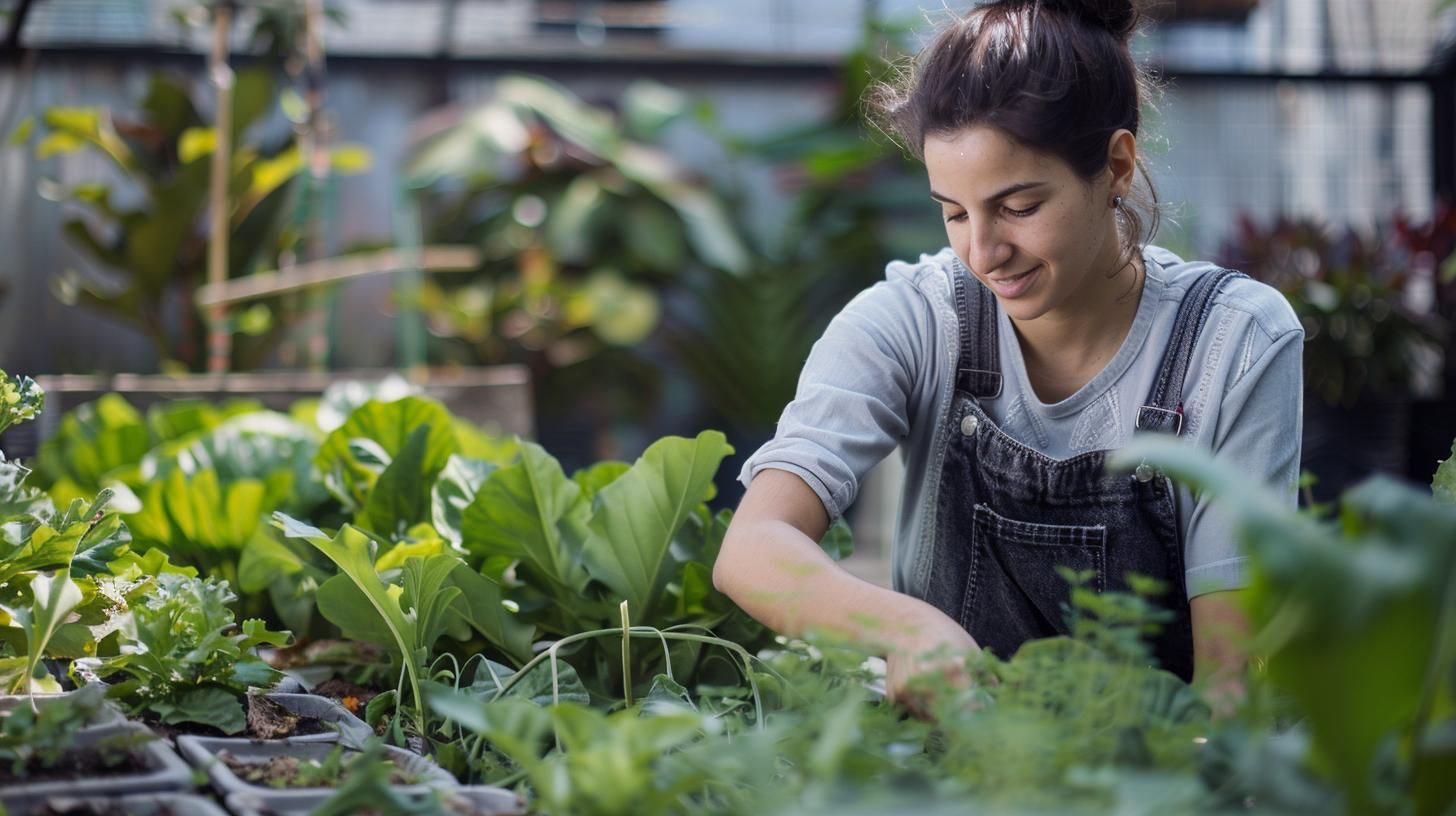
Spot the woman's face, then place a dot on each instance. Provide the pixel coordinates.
(1032, 230)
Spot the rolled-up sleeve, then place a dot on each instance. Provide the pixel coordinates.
(852, 404)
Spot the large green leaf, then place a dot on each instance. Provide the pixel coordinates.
(481, 604)
(454, 490)
(353, 553)
(401, 497)
(346, 606)
(54, 597)
(532, 512)
(636, 517)
(386, 427)
(430, 596)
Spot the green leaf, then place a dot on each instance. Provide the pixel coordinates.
(54, 597)
(346, 606)
(1444, 483)
(493, 681)
(401, 497)
(352, 551)
(430, 598)
(386, 426)
(208, 705)
(454, 490)
(481, 605)
(592, 479)
(196, 143)
(636, 517)
(530, 511)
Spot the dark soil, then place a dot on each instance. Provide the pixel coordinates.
(266, 720)
(350, 695)
(294, 772)
(80, 763)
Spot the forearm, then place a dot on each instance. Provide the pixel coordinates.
(784, 580)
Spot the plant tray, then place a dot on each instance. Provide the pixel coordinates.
(166, 772)
(202, 753)
(108, 714)
(141, 804)
(474, 800)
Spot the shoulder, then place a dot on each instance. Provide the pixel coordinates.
(915, 297)
(1264, 307)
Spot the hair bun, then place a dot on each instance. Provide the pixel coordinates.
(1119, 17)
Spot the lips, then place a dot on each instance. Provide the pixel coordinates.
(1013, 286)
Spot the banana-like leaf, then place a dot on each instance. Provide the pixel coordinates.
(637, 516)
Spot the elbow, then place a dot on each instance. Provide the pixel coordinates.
(725, 566)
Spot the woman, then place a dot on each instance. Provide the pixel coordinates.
(1008, 365)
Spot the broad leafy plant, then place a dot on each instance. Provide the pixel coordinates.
(1356, 629)
(182, 657)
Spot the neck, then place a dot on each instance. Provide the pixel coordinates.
(1088, 330)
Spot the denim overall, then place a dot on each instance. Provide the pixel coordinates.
(1007, 515)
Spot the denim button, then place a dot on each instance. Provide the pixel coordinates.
(1144, 473)
(969, 424)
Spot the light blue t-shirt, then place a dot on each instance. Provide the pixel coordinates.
(882, 375)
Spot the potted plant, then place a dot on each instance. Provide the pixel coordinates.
(1366, 345)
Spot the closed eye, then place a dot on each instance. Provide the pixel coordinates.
(1023, 213)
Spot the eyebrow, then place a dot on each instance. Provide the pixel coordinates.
(1009, 191)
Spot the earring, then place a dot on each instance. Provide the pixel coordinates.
(1117, 202)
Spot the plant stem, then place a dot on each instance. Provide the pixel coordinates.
(626, 654)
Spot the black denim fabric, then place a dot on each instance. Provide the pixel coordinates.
(1009, 515)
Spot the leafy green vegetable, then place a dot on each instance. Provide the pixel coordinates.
(181, 658)
(439, 594)
(354, 456)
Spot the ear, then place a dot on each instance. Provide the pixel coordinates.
(1122, 161)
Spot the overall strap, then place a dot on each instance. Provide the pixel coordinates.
(978, 368)
(1164, 409)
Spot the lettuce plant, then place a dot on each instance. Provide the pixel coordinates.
(182, 659)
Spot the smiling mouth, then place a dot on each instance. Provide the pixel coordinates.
(1014, 278)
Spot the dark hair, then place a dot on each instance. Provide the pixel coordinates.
(1054, 75)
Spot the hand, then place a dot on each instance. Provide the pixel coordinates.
(933, 646)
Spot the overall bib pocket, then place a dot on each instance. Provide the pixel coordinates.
(1013, 576)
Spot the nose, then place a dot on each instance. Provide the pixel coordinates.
(985, 250)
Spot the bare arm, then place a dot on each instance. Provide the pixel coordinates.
(772, 566)
(1220, 632)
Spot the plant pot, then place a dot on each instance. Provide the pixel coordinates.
(108, 714)
(141, 804)
(474, 800)
(344, 726)
(165, 771)
(202, 752)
